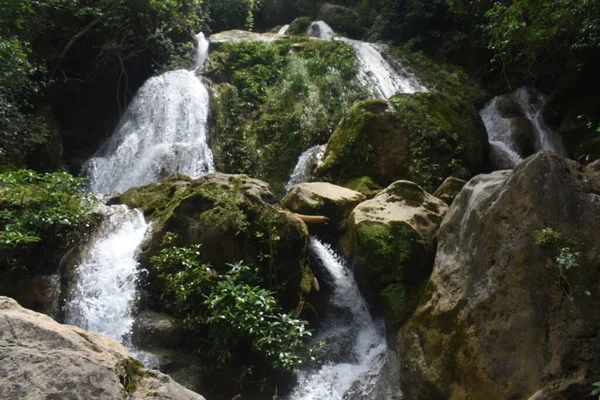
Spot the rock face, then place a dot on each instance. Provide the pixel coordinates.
(232, 218)
(502, 314)
(237, 35)
(320, 198)
(43, 359)
(392, 240)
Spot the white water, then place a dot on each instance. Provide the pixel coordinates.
(356, 348)
(107, 274)
(308, 160)
(499, 116)
(283, 29)
(163, 131)
(375, 72)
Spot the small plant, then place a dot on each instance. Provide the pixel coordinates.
(547, 237)
(231, 307)
(130, 371)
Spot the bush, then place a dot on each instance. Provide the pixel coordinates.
(232, 307)
(38, 208)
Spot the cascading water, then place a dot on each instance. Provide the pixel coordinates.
(163, 131)
(283, 30)
(107, 274)
(374, 72)
(307, 161)
(516, 129)
(355, 352)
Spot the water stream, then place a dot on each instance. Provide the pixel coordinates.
(308, 160)
(375, 72)
(163, 131)
(516, 129)
(355, 352)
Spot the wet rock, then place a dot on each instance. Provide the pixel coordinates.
(41, 293)
(547, 394)
(152, 330)
(343, 20)
(391, 238)
(501, 316)
(43, 359)
(320, 198)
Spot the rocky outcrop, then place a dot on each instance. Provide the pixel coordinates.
(237, 35)
(232, 218)
(320, 198)
(43, 359)
(391, 238)
(342, 20)
(512, 304)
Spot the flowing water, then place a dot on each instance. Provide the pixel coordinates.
(375, 72)
(308, 160)
(163, 131)
(107, 275)
(355, 352)
(283, 30)
(516, 129)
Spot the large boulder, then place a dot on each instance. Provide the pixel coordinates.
(233, 218)
(391, 239)
(449, 189)
(512, 304)
(424, 137)
(320, 198)
(343, 20)
(368, 141)
(43, 359)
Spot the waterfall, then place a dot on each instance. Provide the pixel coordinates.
(515, 127)
(355, 353)
(163, 131)
(306, 163)
(283, 29)
(374, 71)
(107, 274)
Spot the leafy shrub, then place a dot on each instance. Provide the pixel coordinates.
(231, 307)
(547, 237)
(38, 207)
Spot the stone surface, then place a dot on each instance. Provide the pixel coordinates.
(320, 198)
(547, 394)
(391, 238)
(156, 330)
(499, 319)
(237, 35)
(42, 359)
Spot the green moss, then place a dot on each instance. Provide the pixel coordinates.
(447, 137)
(307, 281)
(364, 185)
(130, 371)
(155, 199)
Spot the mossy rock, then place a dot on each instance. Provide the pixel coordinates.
(364, 185)
(231, 216)
(368, 141)
(299, 26)
(343, 20)
(447, 137)
(449, 189)
(391, 238)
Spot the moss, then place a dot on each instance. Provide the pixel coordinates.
(308, 280)
(447, 137)
(130, 371)
(364, 185)
(155, 199)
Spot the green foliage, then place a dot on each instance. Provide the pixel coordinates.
(226, 209)
(130, 371)
(547, 237)
(596, 391)
(231, 307)
(38, 207)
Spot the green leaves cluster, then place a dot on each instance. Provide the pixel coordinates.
(37, 207)
(565, 257)
(232, 307)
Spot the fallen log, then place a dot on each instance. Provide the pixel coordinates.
(313, 219)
